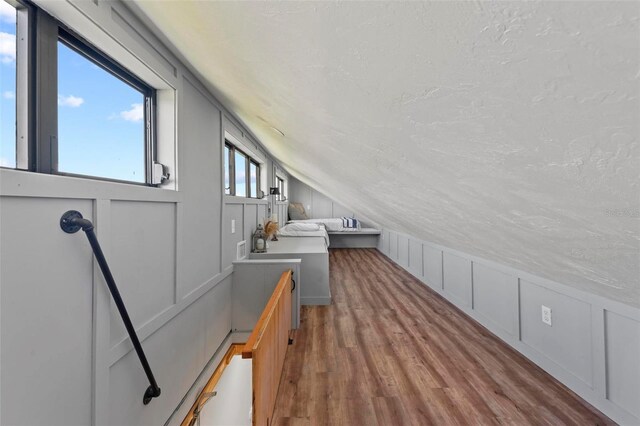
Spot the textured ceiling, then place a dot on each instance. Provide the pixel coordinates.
(505, 130)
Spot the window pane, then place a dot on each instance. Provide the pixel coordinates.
(254, 180)
(8, 52)
(281, 188)
(227, 181)
(241, 171)
(101, 121)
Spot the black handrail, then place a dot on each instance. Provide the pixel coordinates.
(71, 222)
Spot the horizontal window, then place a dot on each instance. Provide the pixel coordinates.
(281, 189)
(103, 116)
(95, 118)
(241, 173)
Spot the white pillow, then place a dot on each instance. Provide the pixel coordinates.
(300, 226)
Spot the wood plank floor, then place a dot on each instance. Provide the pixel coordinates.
(389, 351)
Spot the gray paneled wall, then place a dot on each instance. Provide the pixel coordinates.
(316, 204)
(171, 253)
(592, 345)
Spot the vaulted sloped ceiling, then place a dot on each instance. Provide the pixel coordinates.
(507, 130)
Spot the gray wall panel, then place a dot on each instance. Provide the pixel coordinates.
(457, 277)
(383, 242)
(393, 246)
(299, 193)
(568, 341)
(495, 297)
(341, 211)
(623, 361)
(230, 240)
(142, 260)
(415, 257)
(403, 250)
(201, 209)
(250, 221)
(45, 314)
(262, 213)
(182, 361)
(432, 266)
(321, 206)
(217, 315)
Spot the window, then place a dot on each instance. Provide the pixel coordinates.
(241, 173)
(95, 118)
(8, 84)
(280, 185)
(227, 170)
(103, 116)
(253, 179)
(240, 167)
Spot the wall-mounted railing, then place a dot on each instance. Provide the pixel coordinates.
(71, 222)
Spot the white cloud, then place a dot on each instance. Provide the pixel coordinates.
(7, 13)
(8, 95)
(70, 101)
(136, 113)
(6, 163)
(7, 47)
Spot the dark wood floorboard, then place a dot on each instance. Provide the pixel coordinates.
(389, 351)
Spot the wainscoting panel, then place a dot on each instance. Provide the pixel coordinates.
(623, 361)
(393, 246)
(231, 239)
(142, 259)
(403, 251)
(495, 298)
(175, 367)
(383, 242)
(457, 278)
(262, 213)
(432, 266)
(250, 222)
(46, 313)
(568, 340)
(592, 346)
(217, 315)
(415, 257)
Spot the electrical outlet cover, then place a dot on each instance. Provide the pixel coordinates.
(546, 315)
(241, 251)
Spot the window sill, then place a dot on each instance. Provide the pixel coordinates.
(20, 183)
(232, 199)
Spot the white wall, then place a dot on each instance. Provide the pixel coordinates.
(62, 341)
(504, 129)
(592, 346)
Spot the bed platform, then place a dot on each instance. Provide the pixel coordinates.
(364, 238)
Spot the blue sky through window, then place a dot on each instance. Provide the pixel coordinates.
(101, 129)
(7, 85)
(241, 166)
(100, 121)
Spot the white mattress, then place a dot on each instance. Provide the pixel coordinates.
(332, 224)
(284, 232)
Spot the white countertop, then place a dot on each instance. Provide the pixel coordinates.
(286, 245)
